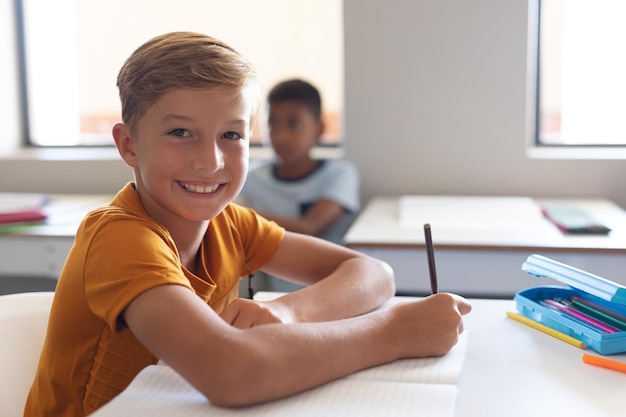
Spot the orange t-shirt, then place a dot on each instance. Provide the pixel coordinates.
(90, 355)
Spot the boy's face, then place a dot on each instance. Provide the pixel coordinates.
(294, 130)
(189, 152)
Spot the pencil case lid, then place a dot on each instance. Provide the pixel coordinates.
(603, 288)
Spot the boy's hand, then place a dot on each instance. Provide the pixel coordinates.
(430, 326)
(243, 313)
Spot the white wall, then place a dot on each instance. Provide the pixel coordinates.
(435, 104)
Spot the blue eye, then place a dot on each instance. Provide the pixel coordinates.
(232, 135)
(178, 132)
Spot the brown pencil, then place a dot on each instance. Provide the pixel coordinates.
(430, 252)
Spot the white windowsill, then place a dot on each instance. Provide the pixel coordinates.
(111, 154)
(62, 154)
(590, 153)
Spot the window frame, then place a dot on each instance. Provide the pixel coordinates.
(331, 148)
(535, 147)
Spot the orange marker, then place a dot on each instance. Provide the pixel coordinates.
(604, 362)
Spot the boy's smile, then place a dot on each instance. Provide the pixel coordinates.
(189, 152)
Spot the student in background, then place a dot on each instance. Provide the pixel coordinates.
(154, 276)
(318, 197)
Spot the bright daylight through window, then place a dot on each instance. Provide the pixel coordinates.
(73, 50)
(582, 87)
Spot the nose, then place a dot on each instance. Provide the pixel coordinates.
(278, 136)
(207, 156)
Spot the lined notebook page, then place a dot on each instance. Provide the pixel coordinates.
(159, 391)
(443, 370)
(403, 388)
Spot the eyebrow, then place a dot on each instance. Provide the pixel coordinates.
(179, 117)
(175, 117)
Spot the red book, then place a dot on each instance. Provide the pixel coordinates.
(26, 215)
(22, 208)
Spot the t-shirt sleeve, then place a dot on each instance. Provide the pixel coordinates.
(260, 237)
(342, 186)
(124, 259)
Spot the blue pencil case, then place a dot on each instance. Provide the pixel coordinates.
(602, 327)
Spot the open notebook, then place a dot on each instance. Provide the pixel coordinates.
(405, 387)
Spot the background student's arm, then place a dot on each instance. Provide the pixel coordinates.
(234, 367)
(318, 218)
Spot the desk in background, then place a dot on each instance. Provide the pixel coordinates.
(509, 370)
(39, 251)
(480, 253)
(32, 258)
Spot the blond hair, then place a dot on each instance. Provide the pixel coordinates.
(180, 60)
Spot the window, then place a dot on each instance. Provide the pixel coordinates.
(581, 65)
(73, 50)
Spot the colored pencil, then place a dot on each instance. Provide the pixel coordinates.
(569, 317)
(600, 326)
(600, 313)
(547, 330)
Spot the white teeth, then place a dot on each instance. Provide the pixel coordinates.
(199, 188)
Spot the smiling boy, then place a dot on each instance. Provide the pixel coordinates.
(154, 276)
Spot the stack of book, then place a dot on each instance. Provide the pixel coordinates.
(18, 210)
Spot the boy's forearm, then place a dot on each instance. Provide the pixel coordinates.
(286, 359)
(235, 367)
(280, 359)
(357, 286)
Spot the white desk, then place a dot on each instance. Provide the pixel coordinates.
(512, 370)
(40, 251)
(481, 256)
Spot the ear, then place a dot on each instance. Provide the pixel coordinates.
(125, 144)
(320, 129)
